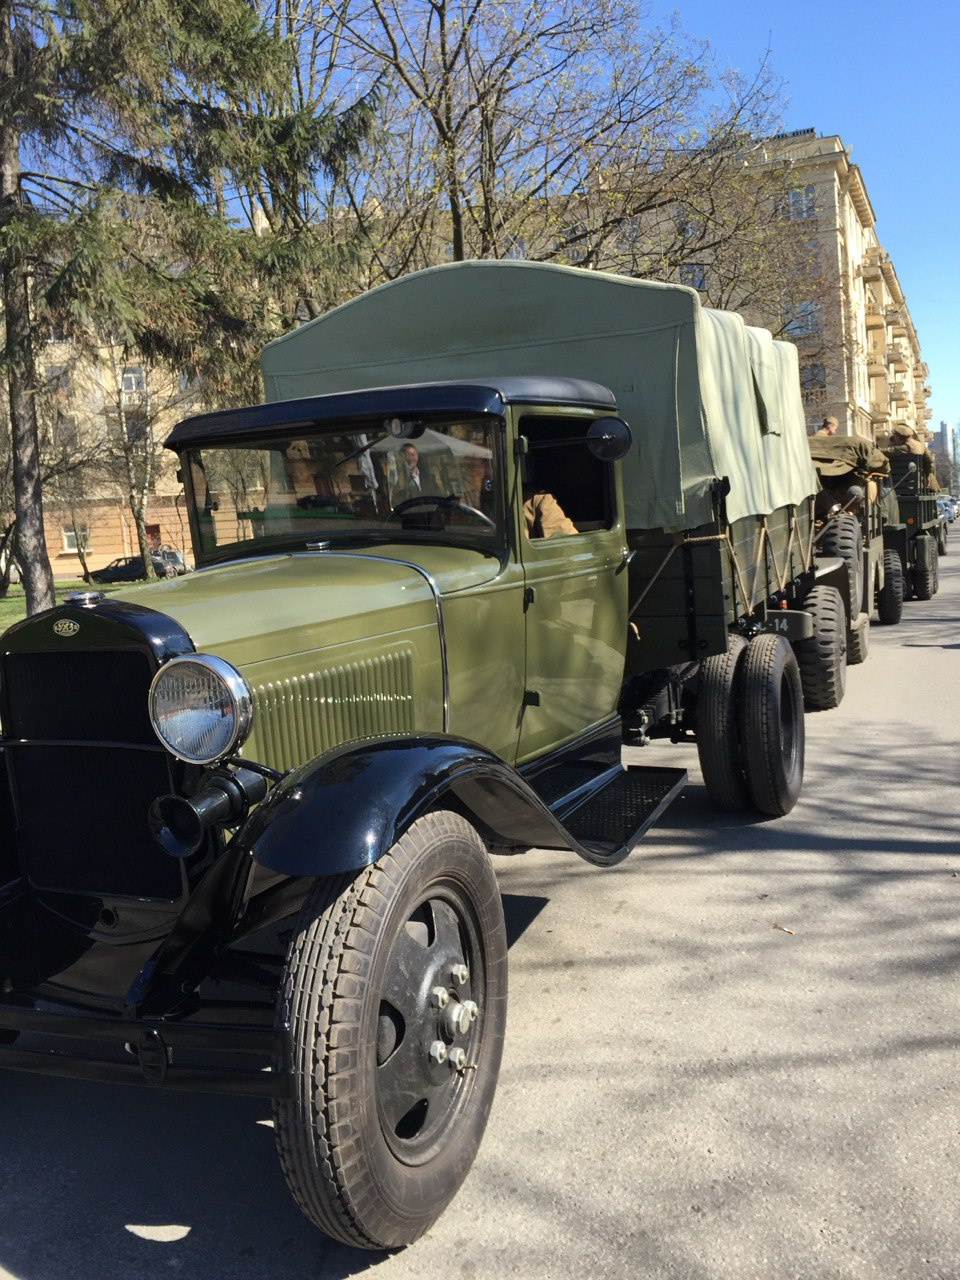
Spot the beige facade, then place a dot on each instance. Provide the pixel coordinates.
(93, 410)
(859, 350)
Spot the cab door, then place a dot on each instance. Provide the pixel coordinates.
(573, 550)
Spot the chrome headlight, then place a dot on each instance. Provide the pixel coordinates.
(200, 708)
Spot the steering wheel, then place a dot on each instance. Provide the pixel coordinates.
(447, 504)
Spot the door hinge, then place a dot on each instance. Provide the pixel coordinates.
(531, 698)
(529, 597)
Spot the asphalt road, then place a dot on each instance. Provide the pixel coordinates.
(734, 1056)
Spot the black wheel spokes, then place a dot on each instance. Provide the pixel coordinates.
(426, 1037)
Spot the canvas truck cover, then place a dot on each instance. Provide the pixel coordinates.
(691, 382)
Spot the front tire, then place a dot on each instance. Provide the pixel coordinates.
(771, 724)
(395, 995)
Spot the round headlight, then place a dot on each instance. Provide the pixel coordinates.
(200, 708)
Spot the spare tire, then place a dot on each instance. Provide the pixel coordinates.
(770, 714)
(843, 537)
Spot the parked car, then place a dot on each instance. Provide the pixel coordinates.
(167, 563)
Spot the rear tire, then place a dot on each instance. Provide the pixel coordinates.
(718, 742)
(823, 658)
(925, 571)
(858, 641)
(843, 537)
(383, 1124)
(890, 595)
(771, 724)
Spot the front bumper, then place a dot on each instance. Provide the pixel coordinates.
(192, 1053)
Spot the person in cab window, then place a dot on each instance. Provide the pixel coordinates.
(414, 479)
(544, 516)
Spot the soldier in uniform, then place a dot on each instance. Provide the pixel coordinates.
(544, 516)
(829, 427)
(904, 440)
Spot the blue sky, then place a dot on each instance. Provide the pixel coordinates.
(884, 76)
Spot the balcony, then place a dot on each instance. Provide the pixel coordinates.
(874, 316)
(897, 357)
(870, 270)
(876, 365)
(880, 413)
(898, 392)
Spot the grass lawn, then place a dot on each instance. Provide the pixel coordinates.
(13, 606)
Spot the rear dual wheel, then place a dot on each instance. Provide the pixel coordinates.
(750, 732)
(395, 996)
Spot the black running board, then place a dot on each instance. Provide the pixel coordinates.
(605, 821)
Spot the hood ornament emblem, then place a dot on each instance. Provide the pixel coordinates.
(65, 627)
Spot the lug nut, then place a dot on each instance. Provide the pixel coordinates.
(457, 1017)
(439, 997)
(459, 973)
(457, 1059)
(438, 1052)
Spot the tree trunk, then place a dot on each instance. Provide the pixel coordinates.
(21, 373)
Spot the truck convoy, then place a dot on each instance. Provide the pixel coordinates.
(279, 780)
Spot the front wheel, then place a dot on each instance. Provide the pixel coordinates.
(771, 724)
(395, 995)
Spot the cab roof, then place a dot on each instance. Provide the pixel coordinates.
(487, 396)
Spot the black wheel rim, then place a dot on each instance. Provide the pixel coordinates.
(420, 1087)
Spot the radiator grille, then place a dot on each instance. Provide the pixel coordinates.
(97, 695)
(298, 718)
(84, 820)
(81, 809)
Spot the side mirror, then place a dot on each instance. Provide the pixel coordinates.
(609, 439)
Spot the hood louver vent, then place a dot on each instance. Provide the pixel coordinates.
(298, 718)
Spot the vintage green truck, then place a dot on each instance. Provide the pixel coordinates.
(247, 815)
(912, 527)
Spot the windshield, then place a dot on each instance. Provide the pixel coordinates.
(438, 484)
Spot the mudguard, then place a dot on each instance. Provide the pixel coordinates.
(344, 810)
(832, 571)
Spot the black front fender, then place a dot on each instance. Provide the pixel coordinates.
(344, 810)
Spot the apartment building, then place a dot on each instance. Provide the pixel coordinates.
(102, 422)
(859, 351)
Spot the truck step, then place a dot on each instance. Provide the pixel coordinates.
(612, 820)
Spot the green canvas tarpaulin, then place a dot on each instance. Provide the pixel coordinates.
(706, 397)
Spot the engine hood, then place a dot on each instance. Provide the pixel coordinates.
(262, 610)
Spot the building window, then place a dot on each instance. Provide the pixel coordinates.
(136, 425)
(689, 226)
(813, 375)
(693, 275)
(134, 384)
(76, 537)
(58, 377)
(801, 202)
(802, 318)
(65, 433)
